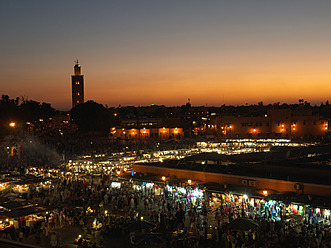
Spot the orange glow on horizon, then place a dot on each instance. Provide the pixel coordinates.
(232, 54)
(171, 86)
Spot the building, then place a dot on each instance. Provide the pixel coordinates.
(163, 133)
(77, 86)
(148, 129)
(275, 123)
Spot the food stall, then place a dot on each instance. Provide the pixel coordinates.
(46, 185)
(22, 189)
(6, 184)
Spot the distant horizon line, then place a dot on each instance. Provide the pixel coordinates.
(166, 105)
(206, 106)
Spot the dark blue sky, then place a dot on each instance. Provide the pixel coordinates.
(163, 52)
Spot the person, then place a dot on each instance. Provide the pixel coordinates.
(20, 235)
(81, 223)
(59, 240)
(132, 238)
(53, 241)
(146, 204)
(43, 224)
(46, 230)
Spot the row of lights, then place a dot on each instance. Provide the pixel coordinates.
(282, 127)
(189, 181)
(293, 127)
(13, 124)
(144, 130)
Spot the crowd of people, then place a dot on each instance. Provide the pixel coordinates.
(103, 212)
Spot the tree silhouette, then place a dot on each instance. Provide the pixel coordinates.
(91, 116)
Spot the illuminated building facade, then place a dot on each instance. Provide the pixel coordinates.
(77, 86)
(162, 133)
(147, 129)
(273, 124)
(276, 123)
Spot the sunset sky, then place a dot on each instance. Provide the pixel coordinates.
(164, 52)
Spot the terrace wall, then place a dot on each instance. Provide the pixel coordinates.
(254, 182)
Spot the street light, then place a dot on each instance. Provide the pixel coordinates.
(12, 124)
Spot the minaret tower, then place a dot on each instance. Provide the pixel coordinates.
(77, 85)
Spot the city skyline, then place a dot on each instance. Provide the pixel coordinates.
(164, 53)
